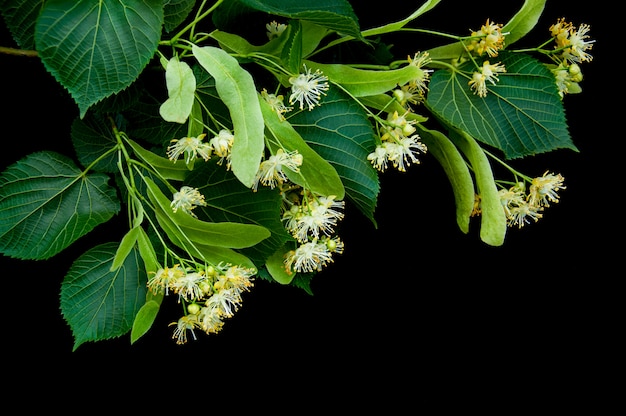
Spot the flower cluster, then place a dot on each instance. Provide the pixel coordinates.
(209, 295)
(311, 219)
(399, 144)
(571, 49)
(521, 205)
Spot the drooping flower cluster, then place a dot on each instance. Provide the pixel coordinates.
(399, 144)
(521, 205)
(311, 219)
(572, 43)
(209, 295)
(571, 49)
(489, 39)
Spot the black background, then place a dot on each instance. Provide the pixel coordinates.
(414, 298)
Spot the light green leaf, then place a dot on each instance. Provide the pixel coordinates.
(493, 225)
(236, 88)
(521, 115)
(222, 234)
(168, 169)
(96, 48)
(126, 246)
(364, 82)
(315, 173)
(146, 316)
(396, 26)
(98, 303)
(47, 203)
(456, 170)
(146, 251)
(181, 85)
(276, 267)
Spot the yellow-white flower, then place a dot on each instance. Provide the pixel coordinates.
(307, 88)
(271, 172)
(187, 199)
(190, 147)
(488, 73)
(222, 143)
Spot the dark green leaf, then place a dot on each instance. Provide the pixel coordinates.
(97, 303)
(96, 48)
(340, 132)
(521, 115)
(47, 203)
(20, 17)
(175, 12)
(336, 15)
(92, 137)
(228, 200)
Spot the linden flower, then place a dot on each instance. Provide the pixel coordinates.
(276, 103)
(210, 320)
(184, 324)
(308, 257)
(543, 189)
(222, 143)
(488, 73)
(512, 197)
(572, 41)
(307, 88)
(271, 172)
(236, 278)
(567, 76)
(187, 199)
(521, 214)
(191, 147)
(226, 302)
(275, 29)
(488, 40)
(189, 286)
(164, 278)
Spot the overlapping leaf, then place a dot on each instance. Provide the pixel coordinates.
(521, 115)
(96, 48)
(98, 303)
(46, 204)
(337, 15)
(237, 90)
